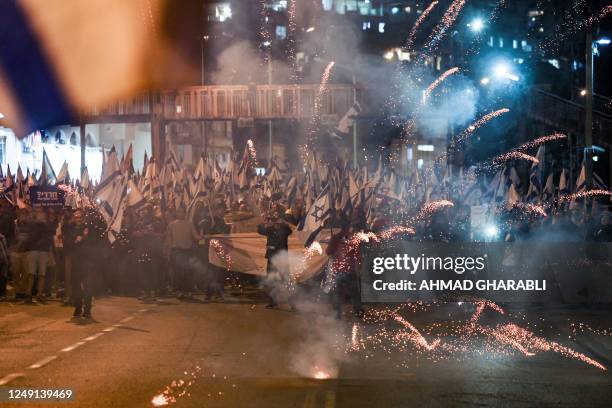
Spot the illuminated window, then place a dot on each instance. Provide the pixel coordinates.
(381, 27)
(425, 148)
(2, 149)
(281, 32)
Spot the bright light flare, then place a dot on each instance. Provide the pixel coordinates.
(476, 25)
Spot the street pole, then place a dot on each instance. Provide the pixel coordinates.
(83, 141)
(270, 113)
(588, 108)
(202, 61)
(354, 122)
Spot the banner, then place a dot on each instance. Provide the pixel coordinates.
(245, 253)
(46, 196)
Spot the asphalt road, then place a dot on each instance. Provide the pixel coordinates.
(239, 354)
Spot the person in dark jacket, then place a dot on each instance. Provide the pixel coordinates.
(277, 232)
(81, 240)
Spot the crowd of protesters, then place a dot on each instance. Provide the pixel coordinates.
(162, 252)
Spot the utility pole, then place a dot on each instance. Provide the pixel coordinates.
(270, 96)
(354, 122)
(588, 107)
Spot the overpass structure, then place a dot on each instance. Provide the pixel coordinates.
(288, 102)
(236, 103)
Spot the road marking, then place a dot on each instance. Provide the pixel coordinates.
(108, 329)
(42, 362)
(311, 399)
(126, 319)
(143, 310)
(330, 399)
(10, 377)
(93, 336)
(75, 345)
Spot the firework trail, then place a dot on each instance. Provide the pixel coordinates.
(523, 340)
(531, 209)
(540, 140)
(264, 33)
(222, 253)
(316, 114)
(446, 22)
(414, 335)
(431, 208)
(584, 194)
(478, 124)
(514, 155)
(291, 11)
(438, 81)
(417, 25)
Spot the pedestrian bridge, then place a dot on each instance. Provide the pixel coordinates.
(229, 102)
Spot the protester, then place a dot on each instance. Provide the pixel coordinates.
(341, 276)
(181, 237)
(82, 245)
(40, 232)
(277, 233)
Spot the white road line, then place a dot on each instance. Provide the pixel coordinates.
(42, 362)
(143, 310)
(10, 377)
(75, 345)
(93, 336)
(108, 329)
(127, 319)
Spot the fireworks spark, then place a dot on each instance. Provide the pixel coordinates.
(541, 140)
(513, 155)
(417, 25)
(252, 152)
(438, 81)
(316, 114)
(431, 208)
(584, 194)
(478, 124)
(446, 22)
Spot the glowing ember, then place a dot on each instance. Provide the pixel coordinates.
(321, 375)
(161, 400)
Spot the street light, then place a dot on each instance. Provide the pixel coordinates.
(501, 71)
(476, 25)
(603, 41)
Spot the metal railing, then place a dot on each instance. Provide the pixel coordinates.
(237, 101)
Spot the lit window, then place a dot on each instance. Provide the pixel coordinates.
(365, 25)
(514, 44)
(381, 27)
(281, 32)
(420, 163)
(425, 148)
(2, 149)
(223, 12)
(501, 42)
